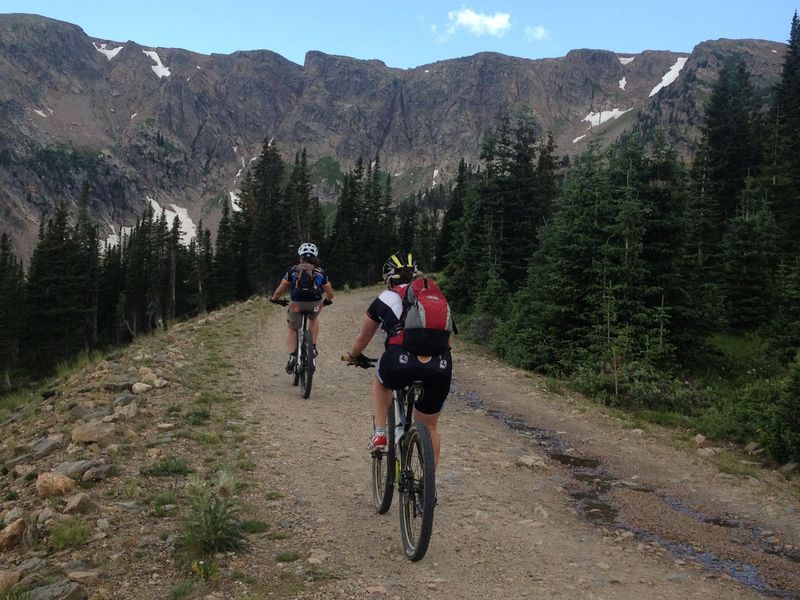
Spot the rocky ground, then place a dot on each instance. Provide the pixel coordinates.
(541, 494)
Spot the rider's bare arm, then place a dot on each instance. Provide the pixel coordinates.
(282, 288)
(368, 329)
(328, 290)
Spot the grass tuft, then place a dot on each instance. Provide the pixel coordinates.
(287, 556)
(181, 591)
(70, 534)
(170, 465)
(254, 526)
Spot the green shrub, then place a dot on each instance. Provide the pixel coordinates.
(212, 524)
(781, 434)
(743, 417)
(198, 416)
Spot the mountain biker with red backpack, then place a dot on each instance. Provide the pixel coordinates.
(306, 283)
(416, 319)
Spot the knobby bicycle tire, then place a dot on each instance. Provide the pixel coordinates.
(383, 469)
(298, 355)
(307, 371)
(417, 491)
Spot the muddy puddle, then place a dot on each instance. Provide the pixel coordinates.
(589, 484)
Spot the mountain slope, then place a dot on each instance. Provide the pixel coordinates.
(182, 127)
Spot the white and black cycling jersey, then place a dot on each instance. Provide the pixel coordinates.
(387, 309)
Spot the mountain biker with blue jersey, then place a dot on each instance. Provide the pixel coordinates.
(306, 282)
(398, 366)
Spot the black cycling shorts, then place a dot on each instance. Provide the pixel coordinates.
(398, 367)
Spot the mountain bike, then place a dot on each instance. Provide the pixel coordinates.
(305, 363)
(406, 465)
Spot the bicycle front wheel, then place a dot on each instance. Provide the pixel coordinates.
(383, 469)
(306, 365)
(417, 491)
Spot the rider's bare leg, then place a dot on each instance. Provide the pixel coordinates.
(430, 422)
(313, 327)
(381, 401)
(291, 340)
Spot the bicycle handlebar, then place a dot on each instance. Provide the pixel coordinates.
(359, 361)
(286, 302)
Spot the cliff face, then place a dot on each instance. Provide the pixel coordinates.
(181, 128)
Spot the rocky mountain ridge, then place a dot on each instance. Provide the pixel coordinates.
(180, 128)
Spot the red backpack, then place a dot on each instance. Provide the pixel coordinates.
(426, 322)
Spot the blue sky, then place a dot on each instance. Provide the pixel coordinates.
(410, 33)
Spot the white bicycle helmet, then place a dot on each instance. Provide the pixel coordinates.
(307, 248)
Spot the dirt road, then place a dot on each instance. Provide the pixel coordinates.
(540, 495)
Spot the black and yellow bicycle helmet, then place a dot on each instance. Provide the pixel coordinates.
(400, 267)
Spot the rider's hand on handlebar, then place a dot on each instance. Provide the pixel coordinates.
(359, 361)
(281, 301)
(327, 302)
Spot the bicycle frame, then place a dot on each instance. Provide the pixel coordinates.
(403, 401)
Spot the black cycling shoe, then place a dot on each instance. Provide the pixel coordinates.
(291, 363)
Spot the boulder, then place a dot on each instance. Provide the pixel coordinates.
(75, 469)
(79, 503)
(94, 432)
(44, 447)
(53, 484)
(8, 579)
(11, 535)
(140, 388)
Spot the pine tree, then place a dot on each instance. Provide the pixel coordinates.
(270, 241)
(223, 271)
(87, 238)
(784, 151)
(11, 297)
(452, 217)
(554, 318)
(732, 152)
(345, 254)
(55, 315)
(785, 328)
(749, 250)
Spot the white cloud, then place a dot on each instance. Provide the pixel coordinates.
(479, 23)
(536, 34)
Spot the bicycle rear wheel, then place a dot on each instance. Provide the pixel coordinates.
(383, 469)
(298, 357)
(306, 365)
(417, 491)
